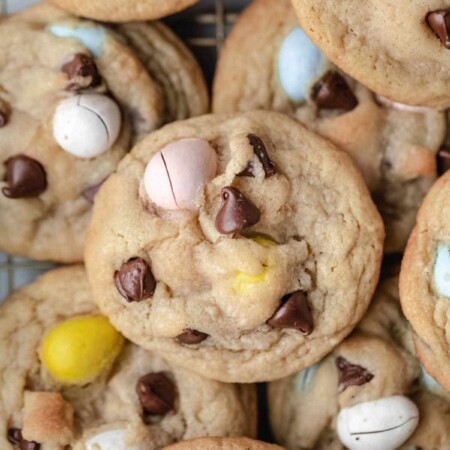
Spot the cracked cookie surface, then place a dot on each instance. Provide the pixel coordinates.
(375, 365)
(222, 444)
(395, 148)
(108, 407)
(133, 79)
(267, 268)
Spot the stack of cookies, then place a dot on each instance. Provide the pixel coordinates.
(208, 252)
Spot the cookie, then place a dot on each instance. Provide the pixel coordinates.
(275, 66)
(424, 288)
(215, 443)
(242, 247)
(123, 10)
(70, 380)
(70, 113)
(369, 393)
(399, 50)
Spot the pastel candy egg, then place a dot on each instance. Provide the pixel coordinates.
(176, 173)
(300, 64)
(78, 349)
(244, 281)
(263, 241)
(86, 125)
(381, 424)
(441, 274)
(305, 378)
(109, 440)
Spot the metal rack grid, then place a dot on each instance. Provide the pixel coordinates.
(203, 27)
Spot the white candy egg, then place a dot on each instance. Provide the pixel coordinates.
(86, 125)
(109, 440)
(441, 274)
(175, 175)
(300, 64)
(381, 424)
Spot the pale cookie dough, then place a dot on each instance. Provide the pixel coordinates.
(215, 443)
(370, 393)
(123, 10)
(386, 45)
(67, 414)
(424, 282)
(74, 98)
(275, 66)
(243, 247)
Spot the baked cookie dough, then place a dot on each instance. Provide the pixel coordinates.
(74, 97)
(275, 66)
(424, 282)
(370, 393)
(397, 49)
(70, 380)
(215, 443)
(243, 247)
(123, 10)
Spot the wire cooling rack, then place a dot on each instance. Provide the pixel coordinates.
(203, 28)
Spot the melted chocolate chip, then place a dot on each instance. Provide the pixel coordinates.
(294, 312)
(90, 193)
(3, 119)
(15, 437)
(236, 212)
(82, 72)
(351, 374)
(25, 176)
(333, 92)
(439, 22)
(443, 160)
(191, 337)
(156, 393)
(134, 280)
(259, 149)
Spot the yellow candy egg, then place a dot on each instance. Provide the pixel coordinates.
(244, 281)
(263, 241)
(77, 350)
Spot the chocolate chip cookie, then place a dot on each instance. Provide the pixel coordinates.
(370, 393)
(213, 443)
(424, 282)
(69, 113)
(274, 65)
(123, 10)
(243, 247)
(398, 49)
(71, 381)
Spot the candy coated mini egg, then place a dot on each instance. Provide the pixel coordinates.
(244, 281)
(109, 440)
(78, 349)
(441, 273)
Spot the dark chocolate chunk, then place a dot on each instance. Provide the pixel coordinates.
(236, 212)
(82, 72)
(443, 160)
(294, 312)
(439, 22)
(90, 193)
(259, 149)
(134, 280)
(15, 437)
(191, 337)
(156, 393)
(25, 177)
(333, 92)
(351, 374)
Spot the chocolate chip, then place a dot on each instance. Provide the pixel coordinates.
(191, 337)
(294, 312)
(90, 193)
(26, 177)
(82, 72)
(134, 280)
(259, 149)
(443, 160)
(351, 374)
(439, 22)
(15, 437)
(3, 119)
(236, 212)
(156, 393)
(333, 92)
